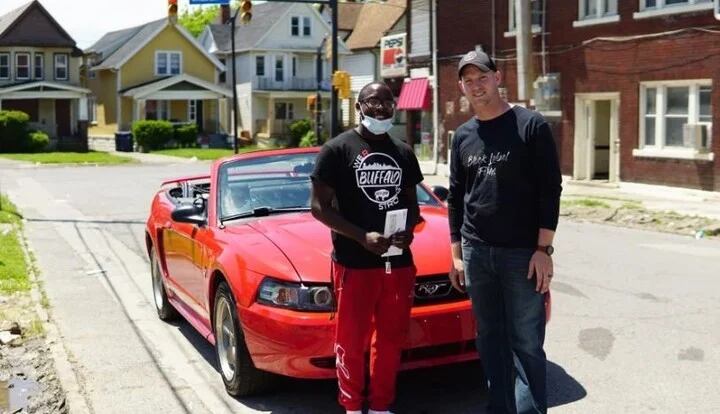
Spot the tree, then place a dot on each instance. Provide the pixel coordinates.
(196, 20)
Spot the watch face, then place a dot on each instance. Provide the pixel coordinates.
(549, 250)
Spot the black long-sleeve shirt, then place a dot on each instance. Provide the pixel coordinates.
(505, 181)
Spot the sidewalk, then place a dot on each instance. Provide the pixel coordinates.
(147, 158)
(653, 197)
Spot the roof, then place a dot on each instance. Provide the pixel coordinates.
(19, 27)
(9, 18)
(265, 15)
(115, 47)
(348, 14)
(374, 20)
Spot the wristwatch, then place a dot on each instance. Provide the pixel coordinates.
(548, 250)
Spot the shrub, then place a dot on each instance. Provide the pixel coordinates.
(298, 130)
(186, 135)
(37, 141)
(152, 134)
(309, 140)
(13, 131)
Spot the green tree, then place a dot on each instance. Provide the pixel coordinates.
(195, 20)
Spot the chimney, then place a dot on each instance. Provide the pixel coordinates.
(224, 15)
(172, 11)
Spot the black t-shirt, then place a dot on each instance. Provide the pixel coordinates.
(369, 177)
(505, 180)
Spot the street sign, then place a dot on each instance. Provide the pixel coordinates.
(197, 2)
(393, 62)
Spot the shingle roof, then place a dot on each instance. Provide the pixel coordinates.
(115, 47)
(7, 19)
(348, 14)
(265, 15)
(374, 20)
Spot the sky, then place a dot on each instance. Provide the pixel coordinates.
(87, 20)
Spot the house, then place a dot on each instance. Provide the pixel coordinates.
(629, 87)
(276, 65)
(39, 75)
(155, 71)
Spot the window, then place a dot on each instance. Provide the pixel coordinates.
(22, 66)
(157, 110)
(294, 66)
(4, 66)
(260, 65)
(300, 25)
(61, 66)
(192, 111)
(168, 63)
(223, 75)
(659, 4)
(39, 66)
(536, 10)
(676, 114)
(284, 111)
(597, 9)
(279, 69)
(92, 109)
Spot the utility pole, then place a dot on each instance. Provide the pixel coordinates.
(523, 33)
(334, 125)
(318, 97)
(234, 81)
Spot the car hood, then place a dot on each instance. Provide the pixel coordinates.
(307, 244)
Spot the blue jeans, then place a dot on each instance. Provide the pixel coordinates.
(510, 326)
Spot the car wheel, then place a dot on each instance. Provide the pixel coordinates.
(165, 310)
(238, 372)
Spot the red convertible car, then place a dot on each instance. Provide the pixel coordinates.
(239, 255)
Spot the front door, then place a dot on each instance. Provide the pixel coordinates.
(596, 155)
(62, 117)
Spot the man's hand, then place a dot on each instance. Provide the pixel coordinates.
(541, 265)
(376, 243)
(457, 275)
(402, 239)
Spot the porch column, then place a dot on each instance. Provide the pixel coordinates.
(138, 109)
(83, 108)
(0, 104)
(217, 116)
(271, 115)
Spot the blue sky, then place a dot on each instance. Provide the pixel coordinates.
(87, 20)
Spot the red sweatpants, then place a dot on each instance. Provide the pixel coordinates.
(366, 296)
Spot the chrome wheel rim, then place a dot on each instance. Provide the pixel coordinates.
(225, 338)
(158, 287)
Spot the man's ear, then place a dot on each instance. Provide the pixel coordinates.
(498, 77)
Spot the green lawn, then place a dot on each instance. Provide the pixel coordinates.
(91, 157)
(204, 153)
(13, 269)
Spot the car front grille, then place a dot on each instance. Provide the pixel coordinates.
(430, 290)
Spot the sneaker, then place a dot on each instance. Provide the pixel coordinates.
(379, 412)
(353, 412)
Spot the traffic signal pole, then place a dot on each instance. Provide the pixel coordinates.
(334, 125)
(234, 81)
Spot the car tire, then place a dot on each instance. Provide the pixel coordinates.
(165, 310)
(237, 370)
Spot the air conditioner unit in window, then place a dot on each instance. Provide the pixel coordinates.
(697, 136)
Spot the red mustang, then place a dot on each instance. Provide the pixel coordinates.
(238, 254)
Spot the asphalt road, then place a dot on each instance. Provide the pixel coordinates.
(635, 325)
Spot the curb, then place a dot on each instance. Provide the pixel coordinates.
(67, 375)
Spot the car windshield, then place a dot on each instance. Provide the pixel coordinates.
(276, 182)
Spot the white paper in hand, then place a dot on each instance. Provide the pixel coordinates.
(395, 221)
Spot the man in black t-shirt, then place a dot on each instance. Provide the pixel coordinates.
(503, 209)
(360, 177)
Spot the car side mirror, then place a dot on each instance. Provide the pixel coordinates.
(441, 192)
(194, 214)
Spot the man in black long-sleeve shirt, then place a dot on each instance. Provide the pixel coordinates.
(504, 202)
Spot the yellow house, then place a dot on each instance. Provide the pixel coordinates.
(154, 71)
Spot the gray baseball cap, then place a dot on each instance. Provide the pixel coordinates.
(478, 59)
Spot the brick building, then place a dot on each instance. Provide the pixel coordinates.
(637, 82)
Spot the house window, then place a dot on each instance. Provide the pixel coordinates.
(92, 109)
(284, 111)
(61, 66)
(260, 65)
(39, 66)
(597, 9)
(22, 66)
(536, 11)
(660, 4)
(157, 110)
(168, 63)
(676, 114)
(300, 25)
(4, 66)
(223, 75)
(279, 69)
(192, 110)
(294, 66)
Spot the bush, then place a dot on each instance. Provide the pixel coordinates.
(37, 141)
(309, 140)
(186, 135)
(298, 130)
(152, 134)
(13, 131)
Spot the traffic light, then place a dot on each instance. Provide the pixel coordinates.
(172, 7)
(341, 82)
(245, 11)
(311, 103)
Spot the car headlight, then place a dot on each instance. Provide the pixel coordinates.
(296, 296)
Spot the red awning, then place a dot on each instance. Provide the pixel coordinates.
(414, 95)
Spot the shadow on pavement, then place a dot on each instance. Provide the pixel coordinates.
(562, 387)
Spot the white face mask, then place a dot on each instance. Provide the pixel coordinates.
(376, 126)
